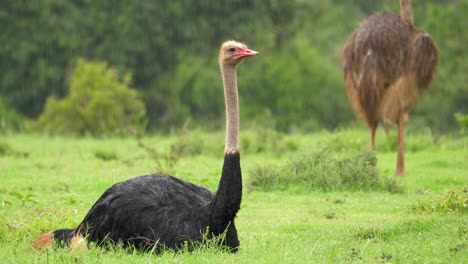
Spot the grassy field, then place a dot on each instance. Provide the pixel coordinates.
(50, 183)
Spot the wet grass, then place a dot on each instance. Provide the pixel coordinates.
(59, 179)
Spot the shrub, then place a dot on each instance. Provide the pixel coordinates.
(325, 169)
(99, 103)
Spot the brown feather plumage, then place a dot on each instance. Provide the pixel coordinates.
(43, 242)
(387, 62)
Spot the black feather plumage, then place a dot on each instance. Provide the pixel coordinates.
(159, 211)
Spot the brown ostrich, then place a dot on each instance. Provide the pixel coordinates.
(387, 63)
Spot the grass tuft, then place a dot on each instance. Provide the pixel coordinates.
(326, 170)
(370, 233)
(7, 150)
(105, 155)
(395, 231)
(455, 201)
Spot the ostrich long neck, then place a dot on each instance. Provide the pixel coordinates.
(406, 11)
(226, 202)
(232, 108)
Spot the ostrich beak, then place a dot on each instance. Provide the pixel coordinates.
(246, 53)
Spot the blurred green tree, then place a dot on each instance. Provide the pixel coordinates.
(100, 103)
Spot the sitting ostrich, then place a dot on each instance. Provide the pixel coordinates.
(159, 211)
(387, 63)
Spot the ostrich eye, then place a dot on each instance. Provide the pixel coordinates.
(231, 50)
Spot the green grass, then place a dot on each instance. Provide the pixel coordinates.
(49, 183)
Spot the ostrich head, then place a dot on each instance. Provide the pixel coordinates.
(233, 52)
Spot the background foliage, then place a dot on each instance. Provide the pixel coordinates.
(99, 103)
(170, 47)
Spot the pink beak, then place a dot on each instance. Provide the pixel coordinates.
(245, 53)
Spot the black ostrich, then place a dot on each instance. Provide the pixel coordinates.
(159, 211)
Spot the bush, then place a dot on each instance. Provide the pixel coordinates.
(99, 103)
(326, 170)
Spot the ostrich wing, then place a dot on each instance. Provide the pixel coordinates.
(424, 60)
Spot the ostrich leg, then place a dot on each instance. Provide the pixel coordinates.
(400, 167)
(372, 129)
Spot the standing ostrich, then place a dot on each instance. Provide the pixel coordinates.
(159, 211)
(387, 63)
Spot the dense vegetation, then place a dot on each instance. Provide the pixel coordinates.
(169, 47)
